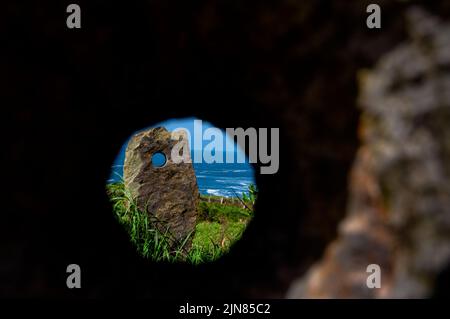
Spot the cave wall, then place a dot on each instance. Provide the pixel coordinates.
(71, 98)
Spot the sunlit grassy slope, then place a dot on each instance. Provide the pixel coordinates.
(220, 223)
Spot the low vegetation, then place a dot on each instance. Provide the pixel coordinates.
(221, 222)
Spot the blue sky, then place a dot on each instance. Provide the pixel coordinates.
(188, 124)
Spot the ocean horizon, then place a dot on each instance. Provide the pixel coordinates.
(218, 179)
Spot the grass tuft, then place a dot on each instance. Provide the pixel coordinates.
(218, 227)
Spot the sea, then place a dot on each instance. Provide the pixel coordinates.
(219, 179)
(224, 179)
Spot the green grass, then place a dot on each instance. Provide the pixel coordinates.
(150, 236)
(218, 227)
(216, 212)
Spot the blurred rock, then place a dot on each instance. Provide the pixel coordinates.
(399, 206)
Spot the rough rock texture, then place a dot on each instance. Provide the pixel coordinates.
(399, 209)
(169, 193)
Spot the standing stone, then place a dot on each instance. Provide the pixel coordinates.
(168, 194)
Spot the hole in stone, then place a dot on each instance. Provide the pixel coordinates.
(159, 159)
(198, 206)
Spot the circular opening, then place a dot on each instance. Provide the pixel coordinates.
(159, 159)
(195, 210)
